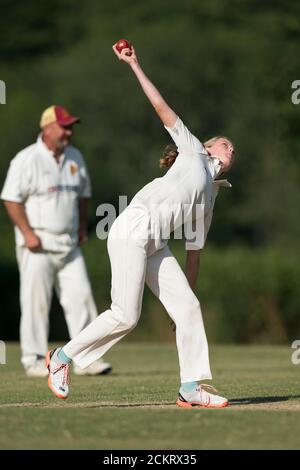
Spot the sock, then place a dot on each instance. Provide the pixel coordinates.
(189, 386)
(63, 357)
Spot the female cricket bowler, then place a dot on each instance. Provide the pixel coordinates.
(138, 251)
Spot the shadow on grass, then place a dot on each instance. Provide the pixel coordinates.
(142, 372)
(236, 402)
(136, 405)
(262, 400)
(262, 403)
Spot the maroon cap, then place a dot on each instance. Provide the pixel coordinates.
(57, 114)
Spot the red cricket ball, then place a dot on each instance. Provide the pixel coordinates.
(122, 44)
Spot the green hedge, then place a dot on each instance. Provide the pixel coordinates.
(250, 296)
(247, 296)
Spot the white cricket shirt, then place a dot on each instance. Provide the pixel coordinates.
(186, 193)
(49, 192)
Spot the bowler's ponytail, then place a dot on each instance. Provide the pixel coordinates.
(169, 156)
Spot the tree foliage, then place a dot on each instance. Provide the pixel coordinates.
(225, 67)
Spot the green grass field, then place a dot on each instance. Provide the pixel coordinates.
(133, 408)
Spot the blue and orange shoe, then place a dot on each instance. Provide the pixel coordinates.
(201, 397)
(58, 379)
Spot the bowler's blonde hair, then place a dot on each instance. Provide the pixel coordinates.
(170, 153)
(209, 143)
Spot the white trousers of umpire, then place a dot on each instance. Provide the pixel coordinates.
(40, 272)
(134, 262)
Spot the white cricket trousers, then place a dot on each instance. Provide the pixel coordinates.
(134, 261)
(40, 272)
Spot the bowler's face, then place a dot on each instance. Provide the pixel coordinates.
(224, 150)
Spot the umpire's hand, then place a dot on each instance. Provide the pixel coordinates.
(32, 241)
(82, 237)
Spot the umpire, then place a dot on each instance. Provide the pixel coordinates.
(46, 193)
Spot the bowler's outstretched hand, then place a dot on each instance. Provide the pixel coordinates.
(127, 54)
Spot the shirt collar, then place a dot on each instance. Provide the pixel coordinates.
(214, 166)
(42, 147)
(223, 183)
(215, 169)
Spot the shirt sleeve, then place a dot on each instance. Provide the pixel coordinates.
(201, 229)
(194, 230)
(194, 244)
(203, 224)
(209, 216)
(85, 190)
(184, 139)
(207, 223)
(17, 183)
